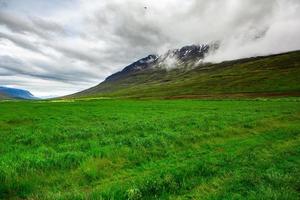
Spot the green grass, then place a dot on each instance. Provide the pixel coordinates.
(156, 149)
(262, 76)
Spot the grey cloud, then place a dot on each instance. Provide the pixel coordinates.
(15, 66)
(33, 25)
(20, 42)
(3, 4)
(83, 44)
(133, 32)
(90, 57)
(15, 23)
(47, 25)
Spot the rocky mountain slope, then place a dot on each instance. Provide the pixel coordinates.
(182, 73)
(171, 59)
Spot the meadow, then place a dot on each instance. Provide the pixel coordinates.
(150, 149)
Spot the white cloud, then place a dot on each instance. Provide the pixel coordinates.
(60, 47)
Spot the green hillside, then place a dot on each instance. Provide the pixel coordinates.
(4, 97)
(275, 75)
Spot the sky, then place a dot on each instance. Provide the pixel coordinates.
(58, 47)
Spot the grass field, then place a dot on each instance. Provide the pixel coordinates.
(155, 149)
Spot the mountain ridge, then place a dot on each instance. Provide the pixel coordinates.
(15, 93)
(176, 55)
(272, 74)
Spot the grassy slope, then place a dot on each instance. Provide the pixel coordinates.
(4, 97)
(180, 149)
(277, 74)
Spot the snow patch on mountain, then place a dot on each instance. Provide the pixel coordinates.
(192, 54)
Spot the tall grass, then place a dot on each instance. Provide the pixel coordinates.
(128, 149)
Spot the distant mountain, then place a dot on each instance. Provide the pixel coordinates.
(13, 93)
(182, 73)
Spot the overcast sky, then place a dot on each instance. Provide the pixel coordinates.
(58, 47)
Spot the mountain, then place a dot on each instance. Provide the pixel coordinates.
(181, 73)
(172, 57)
(13, 93)
(139, 65)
